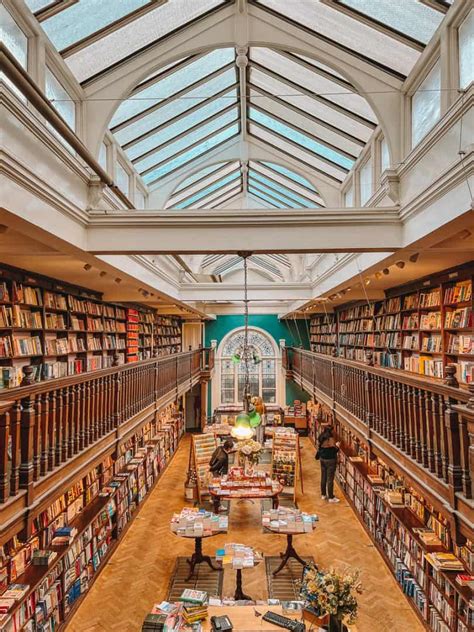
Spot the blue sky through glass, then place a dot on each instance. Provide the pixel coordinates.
(209, 189)
(86, 17)
(173, 83)
(185, 140)
(272, 192)
(193, 153)
(274, 203)
(298, 200)
(289, 174)
(301, 139)
(198, 175)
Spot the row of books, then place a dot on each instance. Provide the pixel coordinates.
(458, 318)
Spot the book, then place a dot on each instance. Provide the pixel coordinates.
(193, 596)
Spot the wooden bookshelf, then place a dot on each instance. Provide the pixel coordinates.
(100, 507)
(61, 330)
(420, 328)
(399, 532)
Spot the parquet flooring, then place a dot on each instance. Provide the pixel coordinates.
(139, 571)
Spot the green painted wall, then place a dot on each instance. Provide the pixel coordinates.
(295, 333)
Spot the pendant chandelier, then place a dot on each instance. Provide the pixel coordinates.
(248, 418)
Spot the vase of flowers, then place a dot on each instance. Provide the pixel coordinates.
(249, 452)
(331, 594)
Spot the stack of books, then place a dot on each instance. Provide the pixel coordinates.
(194, 614)
(43, 558)
(286, 520)
(444, 562)
(154, 623)
(193, 597)
(64, 535)
(428, 536)
(198, 523)
(465, 580)
(238, 556)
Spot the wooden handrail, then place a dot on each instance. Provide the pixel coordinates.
(420, 426)
(46, 424)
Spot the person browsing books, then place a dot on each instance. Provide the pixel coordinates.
(327, 455)
(219, 463)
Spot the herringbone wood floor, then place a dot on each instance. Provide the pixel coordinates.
(138, 573)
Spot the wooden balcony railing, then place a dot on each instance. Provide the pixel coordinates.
(46, 424)
(421, 425)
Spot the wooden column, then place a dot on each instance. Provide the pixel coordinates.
(204, 414)
(5, 409)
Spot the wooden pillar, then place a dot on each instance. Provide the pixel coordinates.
(204, 413)
(5, 408)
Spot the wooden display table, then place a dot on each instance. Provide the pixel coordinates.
(236, 561)
(290, 551)
(241, 493)
(243, 618)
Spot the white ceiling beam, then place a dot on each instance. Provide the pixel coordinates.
(209, 292)
(308, 230)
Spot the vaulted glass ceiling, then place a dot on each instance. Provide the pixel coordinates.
(389, 34)
(272, 267)
(272, 185)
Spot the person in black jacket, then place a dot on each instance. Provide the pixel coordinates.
(327, 453)
(219, 463)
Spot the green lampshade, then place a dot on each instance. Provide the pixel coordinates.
(242, 419)
(242, 429)
(236, 358)
(255, 419)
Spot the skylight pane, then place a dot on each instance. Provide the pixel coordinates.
(291, 195)
(259, 186)
(313, 81)
(411, 17)
(182, 126)
(209, 189)
(296, 153)
(318, 64)
(349, 196)
(224, 200)
(260, 194)
(38, 5)
(230, 189)
(326, 113)
(192, 154)
(123, 179)
(84, 18)
(197, 176)
(300, 138)
(223, 170)
(426, 105)
(348, 32)
(173, 83)
(290, 185)
(168, 110)
(289, 174)
(466, 51)
(282, 111)
(186, 140)
(146, 29)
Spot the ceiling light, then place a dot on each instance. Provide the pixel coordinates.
(103, 273)
(414, 258)
(386, 271)
(378, 275)
(118, 280)
(400, 264)
(367, 281)
(87, 266)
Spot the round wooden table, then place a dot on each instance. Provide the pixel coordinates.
(198, 557)
(290, 551)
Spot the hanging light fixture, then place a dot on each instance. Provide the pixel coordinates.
(242, 429)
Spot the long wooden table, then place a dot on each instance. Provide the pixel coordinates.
(244, 620)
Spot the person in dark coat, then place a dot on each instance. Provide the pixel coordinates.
(327, 454)
(219, 463)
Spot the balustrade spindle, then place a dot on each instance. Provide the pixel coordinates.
(36, 437)
(423, 427)
(5, 461)
(27, 425)
(52, 430)
(437, 448)
(44, 423)
(15, 448)
(444, 439)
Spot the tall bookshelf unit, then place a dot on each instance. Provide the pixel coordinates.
(98, 509)
(59, 329)
(419, 328)
(406, 529)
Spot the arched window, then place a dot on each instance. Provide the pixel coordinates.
(263, 375)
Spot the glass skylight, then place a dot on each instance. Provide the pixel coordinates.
(300, 138)
(191, 154)
(292, 175)
(257, 193)
(163, 19)
(295, 200)
(173, 83)
(335, 27)
(308, 196)
(197, 176)
(412, 18)
(81, 19)
(272, 192)
(224, 169)
(209, 189)
(184, 141)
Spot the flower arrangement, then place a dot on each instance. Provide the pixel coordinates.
(331, 593)
(249, 451)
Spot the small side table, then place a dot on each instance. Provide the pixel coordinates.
(197, 557)
(290, 551)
